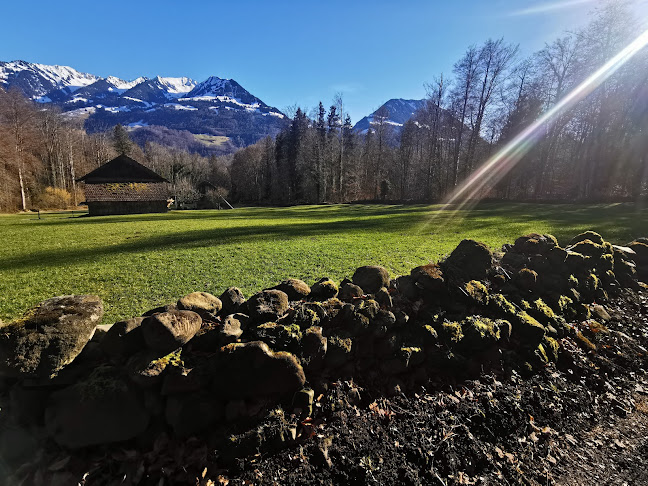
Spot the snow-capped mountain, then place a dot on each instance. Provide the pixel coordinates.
(399, 112)
(218, 107)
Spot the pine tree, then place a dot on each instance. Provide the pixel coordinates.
(121, 140)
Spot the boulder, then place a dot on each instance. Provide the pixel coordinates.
(278, 336)
(314, 347)
(100, 410)
(253, 370)
(471, 260)
(323, 289)
(479, 333)
(641, 252)
(147, 367)
(294, 288)
(383, 298)
(168, 331)
(218, 334)
(267, 305)
(192, 414)
(232, 300)
(349, 292)
(202, 303)
(371, 278)
(123, 339)
(428, 277)
(49, 336)
(535, 244)
(587, 235)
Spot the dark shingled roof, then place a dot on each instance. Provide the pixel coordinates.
(121, 169)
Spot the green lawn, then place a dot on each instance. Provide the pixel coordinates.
(137, 262)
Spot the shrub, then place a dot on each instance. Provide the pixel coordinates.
(53, 198)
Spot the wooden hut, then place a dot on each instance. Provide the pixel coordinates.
(124, 186)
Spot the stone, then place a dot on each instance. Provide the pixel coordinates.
(215, 335)
(471, 260)
(526, 279)
(161, 309)
(267, 305)
(100, 410)
(534, 244)
(253, 370)
(324, 289)
(278, 336)
(294, 288)
(123, 339)
(313, 347)
(338, 351)
(350, 292)
(168, 331)
(641, 252)
(587, 235)
(429, 278)
(147, 367)
(406, 286)
(49, 336)
(371, 278)
(232, 300)
(383, 298)
(479, 333)
(303, 402)
(192, 414)
(204, 304)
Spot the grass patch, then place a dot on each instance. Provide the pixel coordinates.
(137, 262)
(211, 140)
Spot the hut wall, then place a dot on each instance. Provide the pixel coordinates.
(104, 208)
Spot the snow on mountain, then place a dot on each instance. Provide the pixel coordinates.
(399, 112)
(40, 79)
(177, 86)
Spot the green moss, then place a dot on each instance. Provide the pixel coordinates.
(572, 282)
(551, 347)
(451, 332)
(606, 263)
(479, 332)
(583, 342)
(102, 382)
(477, 292)
(172, 359)
(499, 305)
(541, 353)
(587, 235)
(588, 248)
(564, 303)
(344, 345)
(429, 335)
(527, 329)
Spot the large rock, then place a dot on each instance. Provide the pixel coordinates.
(99, 410)
(49, 336)
(123, 339)
(371, 278)
(471, 260)
(267, 305)
(428, 278)
(253, 370)
(168, 331)
(232, 300)
(218, 334)
(294, 288)
(202, 303)
(192, 414)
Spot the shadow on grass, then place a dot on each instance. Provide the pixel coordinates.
(618, 223)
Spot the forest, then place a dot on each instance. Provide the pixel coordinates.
(595, 151)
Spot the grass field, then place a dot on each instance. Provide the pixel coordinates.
(137, 262)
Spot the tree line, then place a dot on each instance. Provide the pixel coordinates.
(594, 151)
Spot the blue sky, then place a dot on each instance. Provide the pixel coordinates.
(284, 52)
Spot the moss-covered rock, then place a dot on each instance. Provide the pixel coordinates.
(147, 368)
(232, 300)
(323, 289)
(451, 332)
(383, 298)
(338, 352)
(215, 335)
(123, 339)
(428, 278)
(349, 292)
(479, 333)
(526, 279)
(371, 278)
(534, 243)
(253, 370)
(49, 336)
(278, 336)
(204, 304)
(168, 331)
(477, 292)
(267, 306)
(313, 347)
(588, 248)
(471, 260)
(587, 235)
(527, 329)
(294, 288)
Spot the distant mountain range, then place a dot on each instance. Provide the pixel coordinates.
(219, 113)
(214, 116)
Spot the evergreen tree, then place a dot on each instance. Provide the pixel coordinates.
(121, 140)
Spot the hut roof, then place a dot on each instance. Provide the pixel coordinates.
(121, 169)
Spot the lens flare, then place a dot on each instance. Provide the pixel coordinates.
(494, 169)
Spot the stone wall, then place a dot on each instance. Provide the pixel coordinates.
(201, 364)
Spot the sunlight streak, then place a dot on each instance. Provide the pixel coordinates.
(549, 7)
(494, 169)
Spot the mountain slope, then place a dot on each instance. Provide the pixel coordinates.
(399, 111)
(214, 107)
